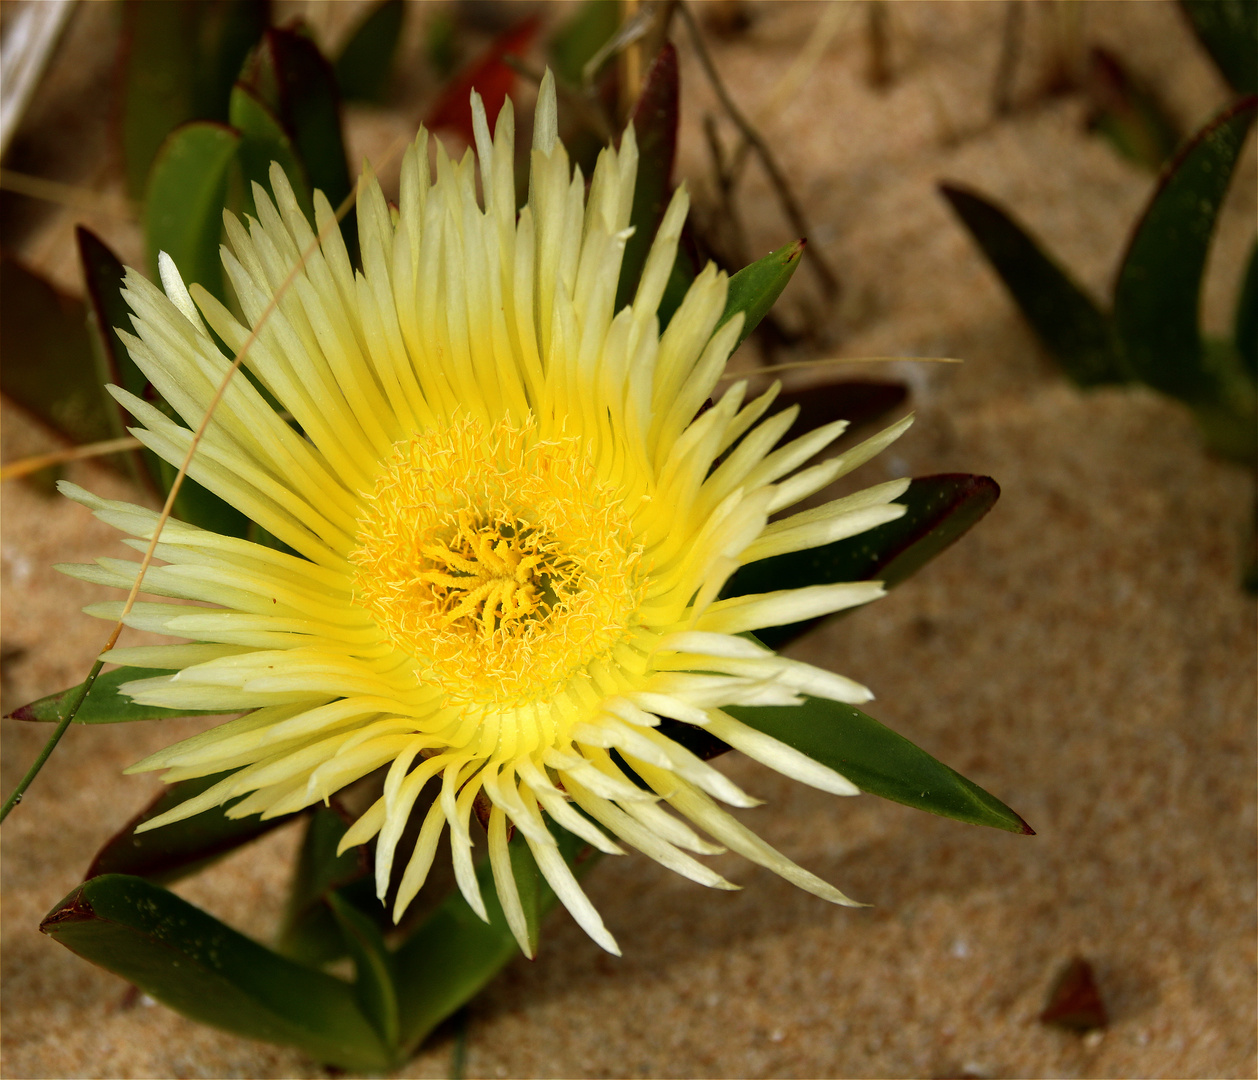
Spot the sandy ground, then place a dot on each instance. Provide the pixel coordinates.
(1085, 654)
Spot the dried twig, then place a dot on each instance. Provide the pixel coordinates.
(26, 466)
(829, 280)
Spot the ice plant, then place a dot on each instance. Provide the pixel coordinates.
(508, 518)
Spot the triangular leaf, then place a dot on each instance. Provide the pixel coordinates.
(939, 511)
(183, 206)
(310, 934)
(1157, 296)
(879, 761)
(288, 74)
(264, 140)
(173, 851)
(48, 365)
(188, 960)
(755, 288)
(655, 128)
(104, 703)
(1071, 326)
(103, 274)
(373, 965)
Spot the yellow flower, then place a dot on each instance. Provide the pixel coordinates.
(510, 519)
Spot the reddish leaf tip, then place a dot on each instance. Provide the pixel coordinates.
(75, 908)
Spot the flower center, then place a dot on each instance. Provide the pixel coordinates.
(499, 561)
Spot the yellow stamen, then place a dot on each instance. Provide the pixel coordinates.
(497, 560)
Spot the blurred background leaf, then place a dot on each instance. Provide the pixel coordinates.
(180, 62)
(288, 74)
(1069, 323)
(1229, 31)
(366, 60)
(1157, 296)
(48, 364)
(1128, 113)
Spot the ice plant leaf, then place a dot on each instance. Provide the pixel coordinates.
(1157, 295)
(453, 954)
(362, 68)
(310, 933)
(1071, 326)
(104, 704)
(180, 62)
(288, 74)
(373, 966)
(823, 402)
(48, 366)
(103, 275)
(879, 761)
(184, 200)
(655, 126)
(939, 511)
(1229, 31)
(107, 310)
(578, 40)
(262, 141)
(187, 959)
(180, 849)
(755, 288)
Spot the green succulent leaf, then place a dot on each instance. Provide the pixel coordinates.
(188, 960)
(183, 216)
(1079, 334)
(183, 208)
(453, 954)
(373, 966)
(107, 311)
(180, 62)
(181, 848)
(756, 287)
(103, 276)
(362, 69)
(939, 510)
(104, 703)
(262, 141)
(879, 761)
(578, 41)
(311, 933)
(287, 74)
(655, 128)
(48, 364)
(1229, 31)
(1157, 296)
